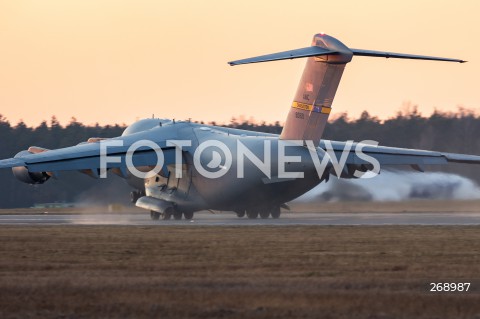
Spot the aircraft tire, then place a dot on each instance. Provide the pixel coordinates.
(177, 215)
(264, 214)
(154, 215)
(275, 213)
(252, 214)
(241, 214)
(188, 215)
(167, 214)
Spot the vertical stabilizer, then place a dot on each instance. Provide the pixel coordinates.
(313, 101)
(326, 61)
(312, 104)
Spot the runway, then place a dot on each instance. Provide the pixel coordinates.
(230, 219)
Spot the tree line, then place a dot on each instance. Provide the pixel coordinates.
(455, 132)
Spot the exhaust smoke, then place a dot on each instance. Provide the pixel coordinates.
(395, 185)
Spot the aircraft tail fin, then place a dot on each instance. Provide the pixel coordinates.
(326, 60)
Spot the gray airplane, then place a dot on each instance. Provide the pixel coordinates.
(190, 167)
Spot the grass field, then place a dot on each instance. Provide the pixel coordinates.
(237, 272)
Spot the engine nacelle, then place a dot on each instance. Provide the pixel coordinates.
(24, 175)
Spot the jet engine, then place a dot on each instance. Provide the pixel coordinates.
(24, 175)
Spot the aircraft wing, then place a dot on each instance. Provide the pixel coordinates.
(11, 162)
(86, 156)
(397, 156)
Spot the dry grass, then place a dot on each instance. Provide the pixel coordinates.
(237, 272)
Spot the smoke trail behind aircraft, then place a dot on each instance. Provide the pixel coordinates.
(396, 186)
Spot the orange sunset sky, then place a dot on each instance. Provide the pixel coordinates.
(117, 61)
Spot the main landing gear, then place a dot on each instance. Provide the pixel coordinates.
(264, 213)
(169, 213)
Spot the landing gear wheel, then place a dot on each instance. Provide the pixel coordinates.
(264, 214)
(188, 215)
(154, 215)
(240, 214)
(167, 214)
(177, 215)
(252, 214)
(275, 212)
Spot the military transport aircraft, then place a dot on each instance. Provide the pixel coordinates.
(188, 167)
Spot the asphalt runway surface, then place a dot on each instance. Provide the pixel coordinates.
(230, 219)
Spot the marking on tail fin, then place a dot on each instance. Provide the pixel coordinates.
(302, 106)
(322, 109)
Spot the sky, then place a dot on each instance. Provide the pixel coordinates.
(119, 61)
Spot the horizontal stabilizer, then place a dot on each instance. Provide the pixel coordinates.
(382, 54)
(292, 54)
(462, 158)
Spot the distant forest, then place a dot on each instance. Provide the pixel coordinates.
(450, 132)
